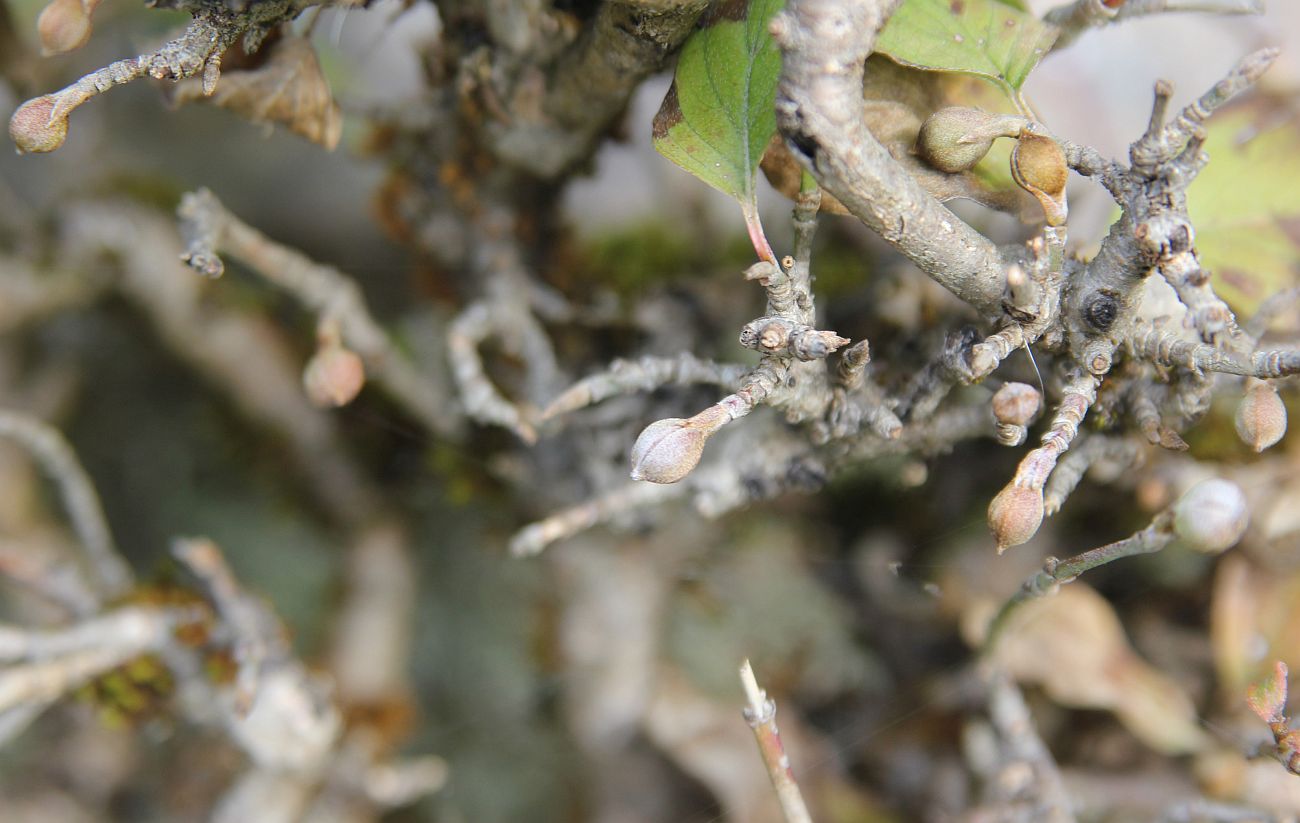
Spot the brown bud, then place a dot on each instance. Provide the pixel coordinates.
(31, 128)
(1212, 516)
(956, 138)
(334, 376)
(1039, 167)
(1015, 515)
(1016, 404)
(1261, 417)
(64, 25)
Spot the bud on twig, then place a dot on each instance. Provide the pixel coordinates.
(1015, 405)
(1261, 417)
(956, 138)
(1015, 515)
(1212, 516)
(334, 375)
(33, 131)
(667, 450)
(1038, 165)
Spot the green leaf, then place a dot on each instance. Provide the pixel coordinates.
(1241, 205)
(988, 38)
(719, 114)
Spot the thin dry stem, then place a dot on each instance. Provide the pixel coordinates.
(760, 714)
(52, 452)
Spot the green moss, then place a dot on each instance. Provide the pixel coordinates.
(642, 256)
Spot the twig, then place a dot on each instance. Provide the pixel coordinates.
(591, 83)
(532, 539)
(257, 635)
(269, 796)
(825, 44)
(760, 714)
(1275, 305)
(209, 229)
(50, 575)
(1078, 17)
(1169, 348)
(1015, 726)
(239, 354)
(483, 401)
(56, 662)
(1207, 811)
(56, 457)
(1163, 142)
(197, 51)
(1078, 461)
(1055, 573)
(644, 374)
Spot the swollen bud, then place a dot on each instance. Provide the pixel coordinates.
(1016, 404)
(956, 138)
(667, 450)
(1039, 167)
(1261, 417)
(1015, 515)
(1014, 407)
(334, 376)
(33, 131)
(64, 25)
(1212, 516)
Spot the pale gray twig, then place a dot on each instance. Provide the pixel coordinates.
(825, 44)
(239, 354)
(210, 229)
(1023, 745)
(1078, 461)
(482, 400)
(1081, 15)
(55, 662)
(644, 374)
(56, 458)
(257, 636)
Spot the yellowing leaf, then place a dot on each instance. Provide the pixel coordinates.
(1240, 203)
(983, 37)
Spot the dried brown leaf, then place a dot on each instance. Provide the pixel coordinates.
(288, 89)
(1254, 620)
(1072, 644)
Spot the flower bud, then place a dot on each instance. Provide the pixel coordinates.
(956, 138)
(667, 450)
(31, 128)
(334, 376)
(1212, 516)
(1261, 417)
(1016, 404)
(1039, 167)
(64, 25)
(1015, 515)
